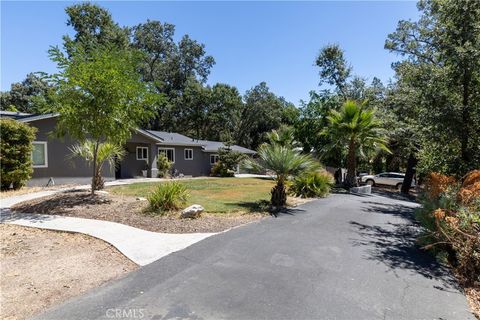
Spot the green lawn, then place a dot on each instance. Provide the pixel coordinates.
(216, 195)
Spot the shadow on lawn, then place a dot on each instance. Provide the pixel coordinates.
(394, 244)
(264, 206)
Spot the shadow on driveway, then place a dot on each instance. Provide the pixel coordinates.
(393, 243)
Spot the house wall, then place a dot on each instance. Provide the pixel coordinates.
(195, 167)
(61, 167)
(130, 167)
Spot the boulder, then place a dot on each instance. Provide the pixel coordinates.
(192, 212)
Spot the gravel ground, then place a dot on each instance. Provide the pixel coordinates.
(130, 211)
(41, 268)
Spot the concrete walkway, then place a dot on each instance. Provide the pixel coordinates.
(140, 246)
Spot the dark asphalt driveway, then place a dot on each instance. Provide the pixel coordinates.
(343, 257)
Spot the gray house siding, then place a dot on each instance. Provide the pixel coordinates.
(61, 167)
(64, 169)
(193, 167)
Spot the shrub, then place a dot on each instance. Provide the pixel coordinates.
(219, 169)
(314, 184)
(15, 153)
(163, 165)
(450, 214)
(228, 160)
(169, 196)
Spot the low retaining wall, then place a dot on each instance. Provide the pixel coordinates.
(361, 190)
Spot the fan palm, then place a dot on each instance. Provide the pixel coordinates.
(97, 154)
(357, 129)
(284, 161)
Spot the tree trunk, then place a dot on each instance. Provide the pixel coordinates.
(407, 181)
(94, 176)
(279, 195)
(351, 180)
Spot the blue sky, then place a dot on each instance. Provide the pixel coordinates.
(276, 42)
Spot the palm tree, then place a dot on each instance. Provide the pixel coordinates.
(284, 136)
(96, 155)
(284, 161)
(355, 128)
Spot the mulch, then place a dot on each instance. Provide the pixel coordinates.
(130, 211)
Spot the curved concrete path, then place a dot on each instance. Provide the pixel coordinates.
(140, 246)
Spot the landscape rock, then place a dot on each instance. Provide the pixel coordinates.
(192, 212)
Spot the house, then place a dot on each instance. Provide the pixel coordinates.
(52, 157)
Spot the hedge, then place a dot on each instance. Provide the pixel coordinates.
(15, 153)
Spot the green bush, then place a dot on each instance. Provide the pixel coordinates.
(219, 169)
(228, 160)
(163, 165)
(15, 153)
(169, 196)
(310, 185)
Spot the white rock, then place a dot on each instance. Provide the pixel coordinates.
(141, 199)
(192, 212)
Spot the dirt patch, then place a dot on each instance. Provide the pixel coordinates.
(130, 211)
(41, 268)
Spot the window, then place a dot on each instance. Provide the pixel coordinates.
(168, 152)
(39, 154)
(214, 159)
(142, 153)
(188, 154)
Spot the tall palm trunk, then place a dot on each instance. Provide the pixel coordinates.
(350, 180)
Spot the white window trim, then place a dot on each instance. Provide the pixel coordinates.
(213, 155)
(184, 153)
(136, 153)
(45, 147)
(173, 152)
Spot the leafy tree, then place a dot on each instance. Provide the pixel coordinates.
(101, 153)
(284, 161)
(442, 76)
(334, 68)
(170, 66)
(32, 95)
(356, 129)
(15, 153)
(262, 112)
(312, 120)
(93, 26)
(224, 108)
(100, 96)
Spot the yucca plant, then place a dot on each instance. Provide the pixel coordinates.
(355, 128)
(284, 161)
(97, 154)
(168, 196)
